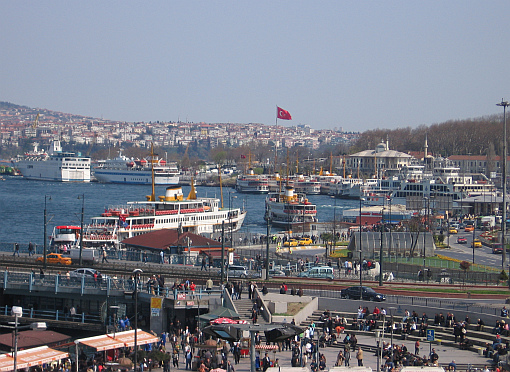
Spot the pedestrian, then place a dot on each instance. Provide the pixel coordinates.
(105, 256)
(204, 264)
(266, 363)
(417, 347)
(359, 356)
(30, 249)
(161, 257)
(16, 249)
(347, 356)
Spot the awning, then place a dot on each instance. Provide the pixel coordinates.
(40, 355)
(101, 343)
(142, 338)
(121, 339)
(7, 363)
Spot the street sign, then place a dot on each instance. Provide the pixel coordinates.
(430, 334)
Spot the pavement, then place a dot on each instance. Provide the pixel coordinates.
(446, 355)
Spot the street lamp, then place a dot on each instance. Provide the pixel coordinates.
(136, 273)
(17, 311)
(46, 198)
(504, 104)
(361, 200)
(425, 206)
(82, 197)
(381, 249)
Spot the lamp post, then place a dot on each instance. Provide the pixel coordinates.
(361, 200)
(473, 244)
(46, 198)
(381, 250)
(82, 197)
(136, 273)
(17, 311)
(426, 211)
(504, 104)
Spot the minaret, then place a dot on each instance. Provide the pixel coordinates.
(425, 150)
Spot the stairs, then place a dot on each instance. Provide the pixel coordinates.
(244, 307)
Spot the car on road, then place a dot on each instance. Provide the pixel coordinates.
(56, 259)
(276, 272)
(469, 228)
(87, 273)
(236, 271)
(476, 244)
(323, 272)
(291, 243)
(461, 240)
(305, 241)
(497, 248)
(367, 293)
(453, 230)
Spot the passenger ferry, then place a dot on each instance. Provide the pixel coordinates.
(289, 208)
(169, 211)
(124, 170)
(64, 235)
(252, 183)
(56, 165)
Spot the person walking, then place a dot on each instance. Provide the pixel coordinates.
(105, 256)
(359, 356)
(417, 347)
(16, 249)
(30, 249)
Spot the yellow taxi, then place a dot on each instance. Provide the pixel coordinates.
(453, 230)
(56, 259)
(476, 244)
(469, 228)
(291, 243)
(305, 241)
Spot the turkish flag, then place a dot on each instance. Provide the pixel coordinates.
(283, 114)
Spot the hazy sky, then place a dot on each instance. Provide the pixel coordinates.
(352, 64)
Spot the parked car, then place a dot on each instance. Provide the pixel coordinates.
(367, 294)
(461, 240)
(56, 259)
(476, 244)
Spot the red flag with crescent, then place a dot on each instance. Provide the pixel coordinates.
(283, 114)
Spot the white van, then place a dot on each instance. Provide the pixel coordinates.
(324, 272)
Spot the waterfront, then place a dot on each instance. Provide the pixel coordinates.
(22, 205)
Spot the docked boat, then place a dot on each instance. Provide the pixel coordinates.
(252, 183)
(289, 208)
(306, 185)
(136, 172)
(56, 165)
(64, 237)
(198, 215)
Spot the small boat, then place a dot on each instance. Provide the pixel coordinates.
(289, 208)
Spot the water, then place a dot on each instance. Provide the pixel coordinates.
(22, 205)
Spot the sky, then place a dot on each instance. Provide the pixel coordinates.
(356, 65)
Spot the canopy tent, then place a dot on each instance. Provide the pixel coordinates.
(39, 355)
(142, 338)
(219, 312)
(119, 339)
(101, 343)
(7, 363)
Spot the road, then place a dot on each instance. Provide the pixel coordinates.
(464, 252)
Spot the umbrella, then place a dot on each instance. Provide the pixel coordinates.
(218, 370)
(223, 321)
(282, 332)
(224, 331)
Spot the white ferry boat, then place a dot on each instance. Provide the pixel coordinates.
(64, 236)
(289, 208)
(170, 211)
(55, 165)
(136, 172)
(306, 185)
(252, 183)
